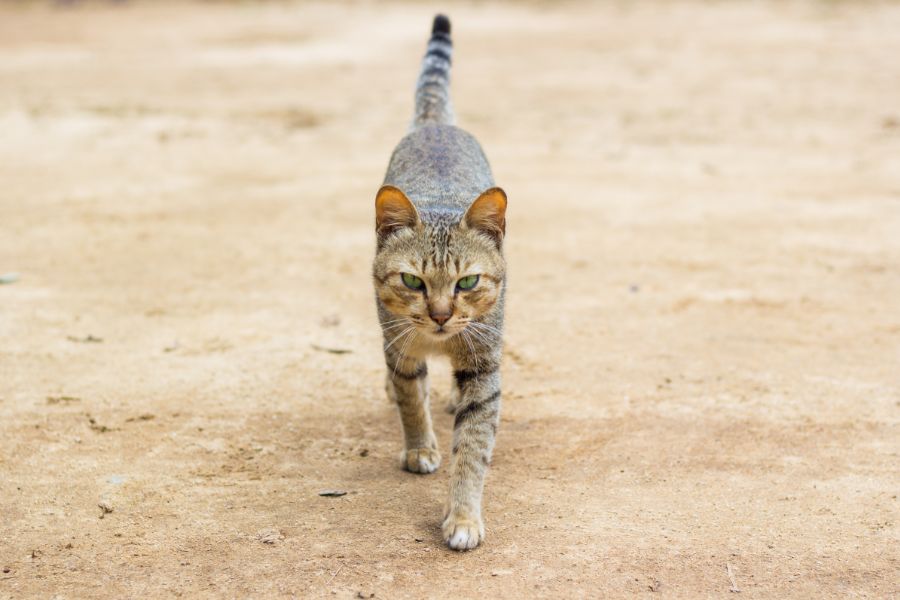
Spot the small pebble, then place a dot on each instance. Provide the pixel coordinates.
(269, 536)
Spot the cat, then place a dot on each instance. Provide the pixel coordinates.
(440, 281)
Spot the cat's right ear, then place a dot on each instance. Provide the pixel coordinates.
(393, 211)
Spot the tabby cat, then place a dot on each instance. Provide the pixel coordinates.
(440, 279)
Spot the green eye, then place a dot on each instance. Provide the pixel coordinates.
(467, 283)
(412, 282)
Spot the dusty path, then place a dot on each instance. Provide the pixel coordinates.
(703, 337)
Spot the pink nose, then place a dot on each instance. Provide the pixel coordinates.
(440, 318)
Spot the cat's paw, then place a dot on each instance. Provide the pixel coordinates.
(462, 533)
(420, 460)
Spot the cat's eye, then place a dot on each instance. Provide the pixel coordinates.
(468, 282)
(412, 282)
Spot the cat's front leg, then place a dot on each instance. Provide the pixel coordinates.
(407, 385)
(474, 430)
(453, 401)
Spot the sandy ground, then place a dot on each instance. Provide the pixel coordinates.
(701, 377)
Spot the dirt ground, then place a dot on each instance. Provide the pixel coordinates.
(701, 377)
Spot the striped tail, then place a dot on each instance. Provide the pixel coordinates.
(433, 88)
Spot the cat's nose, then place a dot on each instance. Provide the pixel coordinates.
(440, 317)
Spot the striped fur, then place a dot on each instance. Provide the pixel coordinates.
(433, 87)
(440, 218)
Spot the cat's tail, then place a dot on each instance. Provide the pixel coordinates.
(433, 88)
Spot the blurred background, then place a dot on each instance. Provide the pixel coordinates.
(701, 389)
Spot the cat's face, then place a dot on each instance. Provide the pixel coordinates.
(439, 277)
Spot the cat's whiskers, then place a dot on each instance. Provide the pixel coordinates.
(486, 329)
(471, 346)
(486, 326)
(394, 322)
(403, 333)
(403, 349)
(480, 336)
(395, 326)
(475, 327)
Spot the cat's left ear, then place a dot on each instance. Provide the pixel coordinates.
(488, 214)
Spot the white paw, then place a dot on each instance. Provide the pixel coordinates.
(420, 460)
(463, 533)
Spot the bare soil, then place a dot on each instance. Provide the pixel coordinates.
(701, 377)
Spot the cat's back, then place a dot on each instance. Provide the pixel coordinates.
(439, 167)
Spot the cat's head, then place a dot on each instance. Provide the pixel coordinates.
(438, 274)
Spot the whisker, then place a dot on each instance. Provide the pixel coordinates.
(475, 354)
(487, 332)
(480, 336)
(485, 326)
(471, 347)
(403, 349)
(394, 321)
(493, 331)
(397, 337)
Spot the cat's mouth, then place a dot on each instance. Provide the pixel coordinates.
(443, 332)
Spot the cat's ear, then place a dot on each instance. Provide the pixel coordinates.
(488, 214)
(393, 211)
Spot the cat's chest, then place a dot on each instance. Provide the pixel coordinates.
(423, 347)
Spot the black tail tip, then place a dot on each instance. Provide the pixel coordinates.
(441, 25)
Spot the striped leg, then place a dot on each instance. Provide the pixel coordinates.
(474, 429)
(407, 385)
